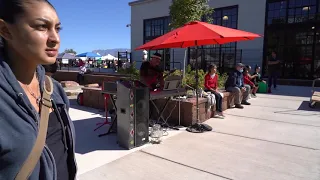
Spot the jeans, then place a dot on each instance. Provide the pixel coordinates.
(237, 92)
(218, 100)
(272, 79)
(80, 78)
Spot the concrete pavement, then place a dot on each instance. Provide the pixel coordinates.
(277, 137)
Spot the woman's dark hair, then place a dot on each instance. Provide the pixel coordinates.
(245, 70)
(11, 9)
(248, 67)
(211, 66)
(256, 67)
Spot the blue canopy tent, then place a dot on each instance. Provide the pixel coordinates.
(89, 55)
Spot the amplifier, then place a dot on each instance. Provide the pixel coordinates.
(132, 114)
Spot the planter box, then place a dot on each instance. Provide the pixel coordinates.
(187, 111)
(93, 98)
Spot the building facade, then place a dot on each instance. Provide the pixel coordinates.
(290, 27)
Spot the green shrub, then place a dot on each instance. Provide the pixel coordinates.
(132, 71)
(190, 78)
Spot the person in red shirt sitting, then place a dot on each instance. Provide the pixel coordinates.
(247, 80)
(211, 85)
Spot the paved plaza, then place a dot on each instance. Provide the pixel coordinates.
(277, 137)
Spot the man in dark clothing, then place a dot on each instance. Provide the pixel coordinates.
(274, 67)
(151, 74)
(235, 85)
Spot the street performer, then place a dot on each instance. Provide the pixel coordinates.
(151, 73)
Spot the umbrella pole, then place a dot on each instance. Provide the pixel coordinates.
(197, 86)
(198, 127)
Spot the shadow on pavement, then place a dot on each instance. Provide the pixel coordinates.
(303, 110)
(298, 91)
(74, 105)
(87, 139)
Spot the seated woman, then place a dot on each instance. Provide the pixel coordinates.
(249, 73)
(247, 80)
(257, 76)
(211, 85)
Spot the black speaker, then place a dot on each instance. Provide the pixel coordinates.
(132, 114)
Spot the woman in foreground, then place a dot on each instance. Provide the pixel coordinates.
(29, 34)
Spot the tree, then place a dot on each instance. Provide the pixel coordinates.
(70, 51)
(184, 11)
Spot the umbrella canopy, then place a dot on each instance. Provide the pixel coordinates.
(89, 55)
(198, 33)
(66, 56)
(108, 57)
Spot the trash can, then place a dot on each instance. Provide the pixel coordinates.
(263, 87)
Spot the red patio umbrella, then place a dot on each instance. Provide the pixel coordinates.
(198, 33)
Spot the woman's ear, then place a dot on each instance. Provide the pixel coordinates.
(4, 30)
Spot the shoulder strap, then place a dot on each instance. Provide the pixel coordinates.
(37, 149)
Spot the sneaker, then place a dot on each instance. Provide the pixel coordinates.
(239, 106)
(253, 95)
(218, 115)
(245, 103)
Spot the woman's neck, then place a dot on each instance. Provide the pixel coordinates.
(23, 69)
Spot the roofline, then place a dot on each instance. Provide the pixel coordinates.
(138, 2)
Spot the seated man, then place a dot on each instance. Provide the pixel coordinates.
(235, 84)
(151, 74)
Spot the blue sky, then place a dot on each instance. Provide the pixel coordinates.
(93, 24)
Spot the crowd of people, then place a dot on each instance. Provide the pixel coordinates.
(240, 82)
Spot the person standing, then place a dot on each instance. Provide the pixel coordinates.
(82, 71)
(273, 70)
(29, 31)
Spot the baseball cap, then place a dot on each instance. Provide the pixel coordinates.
(240, 64)
(156, 55)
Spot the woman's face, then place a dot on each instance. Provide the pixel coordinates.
(258, 69)
(213, 70)
(34, 35)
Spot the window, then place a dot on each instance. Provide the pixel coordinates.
(277, 12)
(301, 10)
(154, 28)
(225, 55)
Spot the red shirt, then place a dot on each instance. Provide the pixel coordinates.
(211, 83)
(247, 80)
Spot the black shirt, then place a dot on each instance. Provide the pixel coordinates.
(147, 70)
(57, 145)
(274, 67)
(152, 74)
